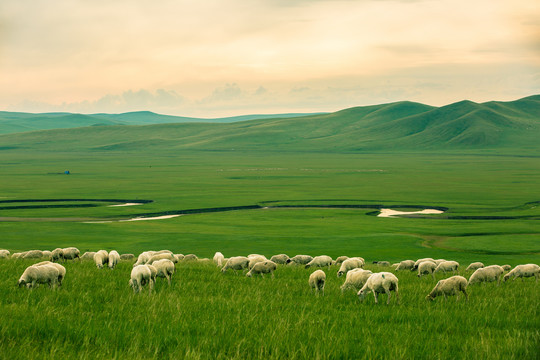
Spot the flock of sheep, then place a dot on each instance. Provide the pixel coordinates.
(153, 264)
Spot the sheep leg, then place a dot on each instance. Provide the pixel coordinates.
(375, 295)
(433, 276)
(389, 293)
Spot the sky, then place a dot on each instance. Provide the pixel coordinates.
(217, 58)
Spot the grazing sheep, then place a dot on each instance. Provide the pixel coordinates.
(153, 272)
(140, 276)
(383, 263)
(349, 264)
(474, 266)
(165, 269)
(190, 257)
(449, 287)
(71, 253)
(507, 267)
(179, 257)
(405, 265)
(57, 255)
(417, 262)
(127, 257)
(143, 258)
(319, 261)
(256, 259)
(60, 268)
(17, 255)
(4, 254)
(101, 258)
(300, 259)
(255, 255)
(157, 257)
(204, 261)
(43, 274)
(447, 266)
(340, 259)
(523, 271)
(264, 267)
(33, 254)
(379, 283)
(219, 259)
(114, 258)
(280, 259)
(487, 274)
(47, 254)
(236, 263)
(317, 280)
(356, 278)
(438, 261)
(89, 255)
(426, 267)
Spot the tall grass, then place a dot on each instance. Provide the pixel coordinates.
(205, 314)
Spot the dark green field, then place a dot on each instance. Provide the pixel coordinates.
(315, 186)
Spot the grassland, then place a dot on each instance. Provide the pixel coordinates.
(209, 315)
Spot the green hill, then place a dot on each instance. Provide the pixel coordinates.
(465, 125)
(14, 122)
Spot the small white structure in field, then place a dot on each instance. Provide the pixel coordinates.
(265, 267)
(317, 280)
(449, 287)
(377, 283)
(523, 271)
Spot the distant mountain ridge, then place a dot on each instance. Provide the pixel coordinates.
(14, 122)
(402, 126)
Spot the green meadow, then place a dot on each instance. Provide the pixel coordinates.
(313, 186)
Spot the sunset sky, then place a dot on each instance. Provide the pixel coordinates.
(217, 58)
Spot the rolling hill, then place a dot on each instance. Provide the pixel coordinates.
(494, 126)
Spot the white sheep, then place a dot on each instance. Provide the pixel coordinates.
(383, 263)
(317, 280)
(405, 265)
(60, 268)
(140, 276)
(474, 266)
(340, 259)
(143, 258)
(280, 259)
(114, 258)
(349, 264)
(320, 261)
(417, 262)
(179, 257)
(438, 261)
(236, 263)
(47, 254)
(378, 283)
(507, 267)
(71, 253)
(190, 257)
(265, 267)
(89, 255)
(523, 271)
(300, 259)
(127, 257)
(165, 269)
(57, 255)
(219, 259)
(447, 266)
(356, 278)
(33, 254)
(487, 274)
(4, 254)
(449, 287)
(101, 258)
(17, 255)
(43, 274)
(426, 267)
(256, 259)
(157, 257)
